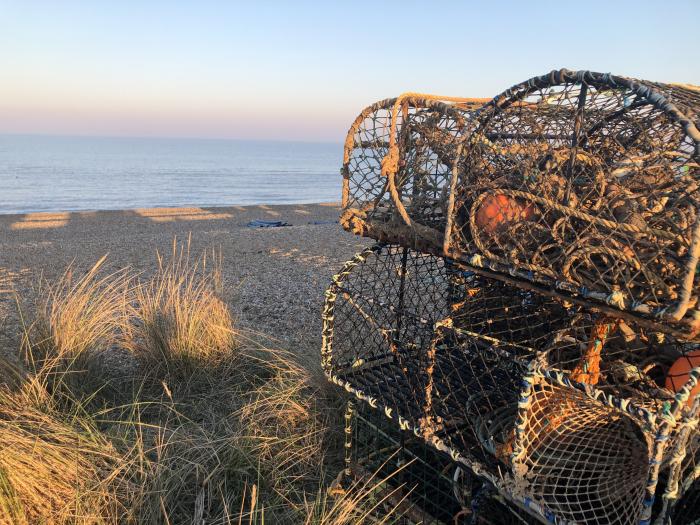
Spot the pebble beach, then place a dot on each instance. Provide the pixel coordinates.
(274, 277)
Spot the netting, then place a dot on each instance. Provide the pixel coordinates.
(584, 183)
(584, 461)
(589, 180)
(423, 486)
(445, 353)
(536, 318)
(398, 161)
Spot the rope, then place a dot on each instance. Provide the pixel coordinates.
(567, 210)
(390, 162)
(588, 369)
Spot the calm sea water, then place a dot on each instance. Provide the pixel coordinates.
(45, 173)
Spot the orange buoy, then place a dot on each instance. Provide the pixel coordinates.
(498, 210)
(679, 372)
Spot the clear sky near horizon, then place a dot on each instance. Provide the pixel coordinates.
(303, 70)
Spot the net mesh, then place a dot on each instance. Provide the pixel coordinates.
(582, 182)
(585, 462)
(586, 179)
(536, 317)
(444, 352)
(422, 485)
(425, 137)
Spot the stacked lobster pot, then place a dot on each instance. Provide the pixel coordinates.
(531, 309)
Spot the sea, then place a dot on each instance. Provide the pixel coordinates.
(59, 173)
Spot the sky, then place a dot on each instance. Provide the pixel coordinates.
(302, 70)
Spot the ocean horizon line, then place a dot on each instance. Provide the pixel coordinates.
(66, 173)
(165, 138)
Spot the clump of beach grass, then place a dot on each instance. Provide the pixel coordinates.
(179, 326)
(75, 319)
(55, 467)
(209, 425)
(262, 423)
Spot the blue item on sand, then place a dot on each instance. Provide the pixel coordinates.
(257, 223)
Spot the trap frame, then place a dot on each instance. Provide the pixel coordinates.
(423, 486)
(584, 185)
(600, 175)
(560, 410)
(398, 159)
(543, 292)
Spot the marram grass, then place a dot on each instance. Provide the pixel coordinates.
(204, 424)
(178, 323)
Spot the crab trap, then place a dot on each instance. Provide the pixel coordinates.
(398, 160)
(413, 483)
(571, 415)
(583, 184)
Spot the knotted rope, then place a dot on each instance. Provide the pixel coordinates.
(390, 162)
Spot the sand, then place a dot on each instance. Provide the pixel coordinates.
(274, 277)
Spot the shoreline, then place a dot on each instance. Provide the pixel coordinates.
(170, 207)
(185, 212)
(275, 277)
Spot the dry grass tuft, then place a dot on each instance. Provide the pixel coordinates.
(368, 500)
(259, 424)
(53, 470)
(76, 319)
(189, 475)
(179, 324)
(211, 427)
(286, 428)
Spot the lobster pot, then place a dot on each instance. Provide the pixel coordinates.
(380, 343)
(587, 183)
(449, 355)
(573, 451)
(418, 483)
(583, 461)
(398, 161)
(378, 327)
(589, 457)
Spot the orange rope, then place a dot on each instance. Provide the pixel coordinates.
(588, 369)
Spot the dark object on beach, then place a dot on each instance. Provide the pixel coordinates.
(534, 286)
(258, 223)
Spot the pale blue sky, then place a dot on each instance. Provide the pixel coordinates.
(302, 70)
